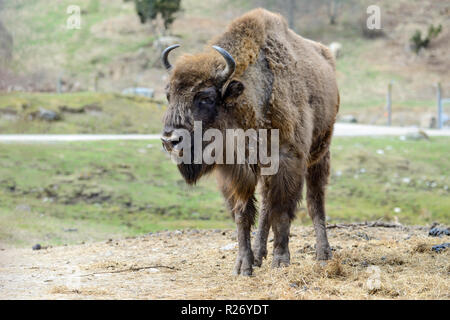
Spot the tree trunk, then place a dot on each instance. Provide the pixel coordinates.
(332, 12)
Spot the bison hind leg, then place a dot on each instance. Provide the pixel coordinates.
(281, 193)
(316, 181)
(244, 220)
(260, 244)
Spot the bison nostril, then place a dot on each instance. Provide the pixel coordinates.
(170, 143)
(166, 144)
(176, 141)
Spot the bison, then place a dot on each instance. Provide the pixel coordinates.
(260, 74)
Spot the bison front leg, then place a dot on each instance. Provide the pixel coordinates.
(238, 185)
(316, 180)
(244, 221)
(260, 245)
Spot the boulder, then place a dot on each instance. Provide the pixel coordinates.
(47, 115)
(336, 49)
(348, 118)
(417, 135)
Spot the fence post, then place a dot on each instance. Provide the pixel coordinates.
(389, 103)
(439, 105)
(96, 77)
(59, 84)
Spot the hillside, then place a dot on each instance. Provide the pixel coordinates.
(115, 48)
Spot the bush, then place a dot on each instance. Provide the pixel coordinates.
(149, 10)
(418, 43)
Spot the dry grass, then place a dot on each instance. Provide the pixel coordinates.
(190, 265)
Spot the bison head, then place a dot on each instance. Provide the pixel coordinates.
(199, 91)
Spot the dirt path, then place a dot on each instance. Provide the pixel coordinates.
(369, 263)
(341, 130)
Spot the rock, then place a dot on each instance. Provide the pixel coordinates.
(438, 232)
(440, 247)
(417, 135)
(363, 235)
(230, 246)
(37, 246)
(336, 49)
(348, 118)
(48, 115)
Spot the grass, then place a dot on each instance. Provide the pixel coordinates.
(374, 176)
(128, 114)
(40, 28)
(113, 113)
(103, 189)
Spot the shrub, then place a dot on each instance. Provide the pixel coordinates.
(148, 10)
(418, 43)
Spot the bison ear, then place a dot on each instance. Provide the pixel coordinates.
(233, 90)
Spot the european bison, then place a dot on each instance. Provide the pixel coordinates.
(260, 75)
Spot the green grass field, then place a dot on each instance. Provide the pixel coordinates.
(40, 32)
(112, 113)
(60, 193)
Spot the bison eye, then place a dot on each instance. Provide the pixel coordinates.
(168, 96)
(206, 101)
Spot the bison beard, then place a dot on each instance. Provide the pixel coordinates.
(193, 172)
(261, 75)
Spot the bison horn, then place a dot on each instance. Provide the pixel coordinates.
(231, 64)
(165, 56)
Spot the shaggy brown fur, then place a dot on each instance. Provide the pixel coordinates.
(282, 81)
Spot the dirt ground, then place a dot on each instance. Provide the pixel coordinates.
(369, 263)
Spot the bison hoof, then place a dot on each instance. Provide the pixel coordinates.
(324, 253)
(281, 260)
(244, 264)
(260, 255)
